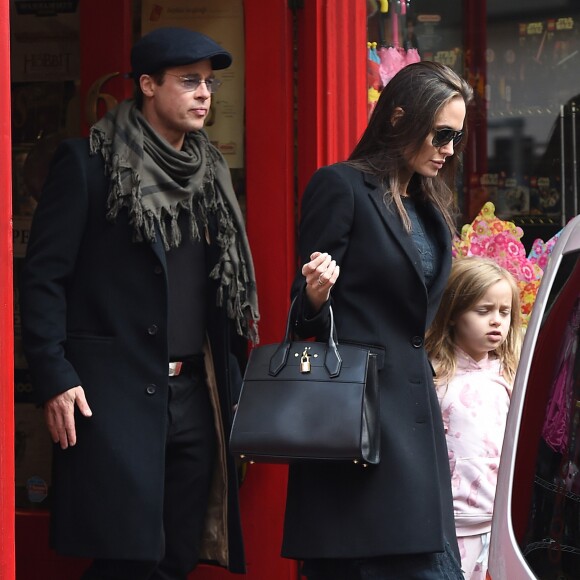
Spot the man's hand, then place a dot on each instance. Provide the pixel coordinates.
(60, 417)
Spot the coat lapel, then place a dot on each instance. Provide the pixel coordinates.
(395, 225)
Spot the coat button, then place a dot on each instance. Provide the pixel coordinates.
(158, 269)
(151, 389)
(152, 329)
(417, 342)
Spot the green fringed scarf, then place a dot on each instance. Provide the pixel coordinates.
(155, 182)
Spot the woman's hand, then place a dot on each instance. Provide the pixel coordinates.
(321, 274)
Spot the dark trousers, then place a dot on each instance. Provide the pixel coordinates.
(189, 459)
(439, 566)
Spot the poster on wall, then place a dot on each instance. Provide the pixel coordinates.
(44, 40)
(222, 20)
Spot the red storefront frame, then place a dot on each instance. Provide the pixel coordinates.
(7, 541)
(330, 80)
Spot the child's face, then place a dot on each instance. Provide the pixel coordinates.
(484, 327)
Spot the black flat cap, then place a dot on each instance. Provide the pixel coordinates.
(172, 46)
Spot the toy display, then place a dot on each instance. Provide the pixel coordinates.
(499, 240)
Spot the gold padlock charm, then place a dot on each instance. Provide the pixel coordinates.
(305, 362)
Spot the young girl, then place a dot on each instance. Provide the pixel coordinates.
(474, 345)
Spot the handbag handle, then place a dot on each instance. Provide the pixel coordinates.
(332, 360)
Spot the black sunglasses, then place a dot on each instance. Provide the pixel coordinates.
(444, 136)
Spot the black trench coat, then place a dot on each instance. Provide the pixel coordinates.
(404, 504)
(94, 312)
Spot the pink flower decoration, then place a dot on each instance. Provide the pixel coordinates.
(538, 247)
(527, 272)
(500, 241)
(476, 250)
(501, 238)
(513, 249)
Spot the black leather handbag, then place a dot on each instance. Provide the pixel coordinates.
(308, 401)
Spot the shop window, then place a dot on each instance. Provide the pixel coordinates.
(401, 32)
(531, 94)
(524, 138)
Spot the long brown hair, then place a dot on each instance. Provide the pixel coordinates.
(421, 90)
(469, 280)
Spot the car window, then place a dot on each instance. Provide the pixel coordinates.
(546, 500)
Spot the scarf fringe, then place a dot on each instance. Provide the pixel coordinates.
(118, 137)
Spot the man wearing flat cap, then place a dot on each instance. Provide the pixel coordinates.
(137, 284)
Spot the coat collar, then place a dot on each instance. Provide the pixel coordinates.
(395, 225)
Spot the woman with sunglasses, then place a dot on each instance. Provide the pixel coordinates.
(375, 241)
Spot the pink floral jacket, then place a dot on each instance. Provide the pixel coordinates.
(474, 405)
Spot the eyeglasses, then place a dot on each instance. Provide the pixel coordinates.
(444, 136)
(192, 83)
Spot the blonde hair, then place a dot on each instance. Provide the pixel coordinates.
(469, 280)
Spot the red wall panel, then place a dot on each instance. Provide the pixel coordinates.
(6, 311)
(332, 94)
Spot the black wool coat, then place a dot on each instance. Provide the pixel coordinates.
(404, 504)
(94, 306)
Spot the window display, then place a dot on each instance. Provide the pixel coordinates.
(524, 134)
(531, 91)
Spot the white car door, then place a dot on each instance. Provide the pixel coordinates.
(536, 522)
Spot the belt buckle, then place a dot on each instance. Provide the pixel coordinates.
(175, 368)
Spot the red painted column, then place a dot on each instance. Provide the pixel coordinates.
(270, 157)
(105, 58)
(332, 93)
(270, 205)
(7, 543)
